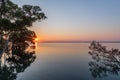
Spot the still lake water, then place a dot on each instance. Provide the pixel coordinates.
(63, 61)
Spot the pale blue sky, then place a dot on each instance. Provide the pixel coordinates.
(78, 19)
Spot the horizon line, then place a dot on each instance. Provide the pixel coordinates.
(80, 41)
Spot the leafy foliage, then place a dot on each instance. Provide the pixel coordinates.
(16, 60)
(104, 62)
(16, 20)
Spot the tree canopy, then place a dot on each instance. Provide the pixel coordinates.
(15, 22)
(15, 19)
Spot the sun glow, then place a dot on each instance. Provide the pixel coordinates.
(36, 39)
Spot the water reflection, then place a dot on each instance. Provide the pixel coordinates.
(104, 62)
(15, 60)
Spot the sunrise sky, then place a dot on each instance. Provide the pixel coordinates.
(74, 20)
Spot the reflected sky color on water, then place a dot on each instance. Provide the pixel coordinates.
(63, 61)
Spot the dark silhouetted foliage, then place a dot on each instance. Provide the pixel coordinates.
(16, 60)
(15, 20)
(15, 37)
(104, 62)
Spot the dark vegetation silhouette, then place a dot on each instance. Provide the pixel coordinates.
(15, 22)
(15, 61)
(104, 62)
(16, 37)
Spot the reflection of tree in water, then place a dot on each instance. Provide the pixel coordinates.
(15, 61)
(103, 61)
(15, 37)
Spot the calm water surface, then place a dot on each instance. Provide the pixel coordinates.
(63, 61)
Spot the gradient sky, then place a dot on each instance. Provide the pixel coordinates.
(77, 19)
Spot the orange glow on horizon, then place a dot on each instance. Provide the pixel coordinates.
(85, 37)
(54, 38)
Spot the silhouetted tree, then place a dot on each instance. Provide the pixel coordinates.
(103, 61)
(17, 20)
(16, 61)
(18, 37)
